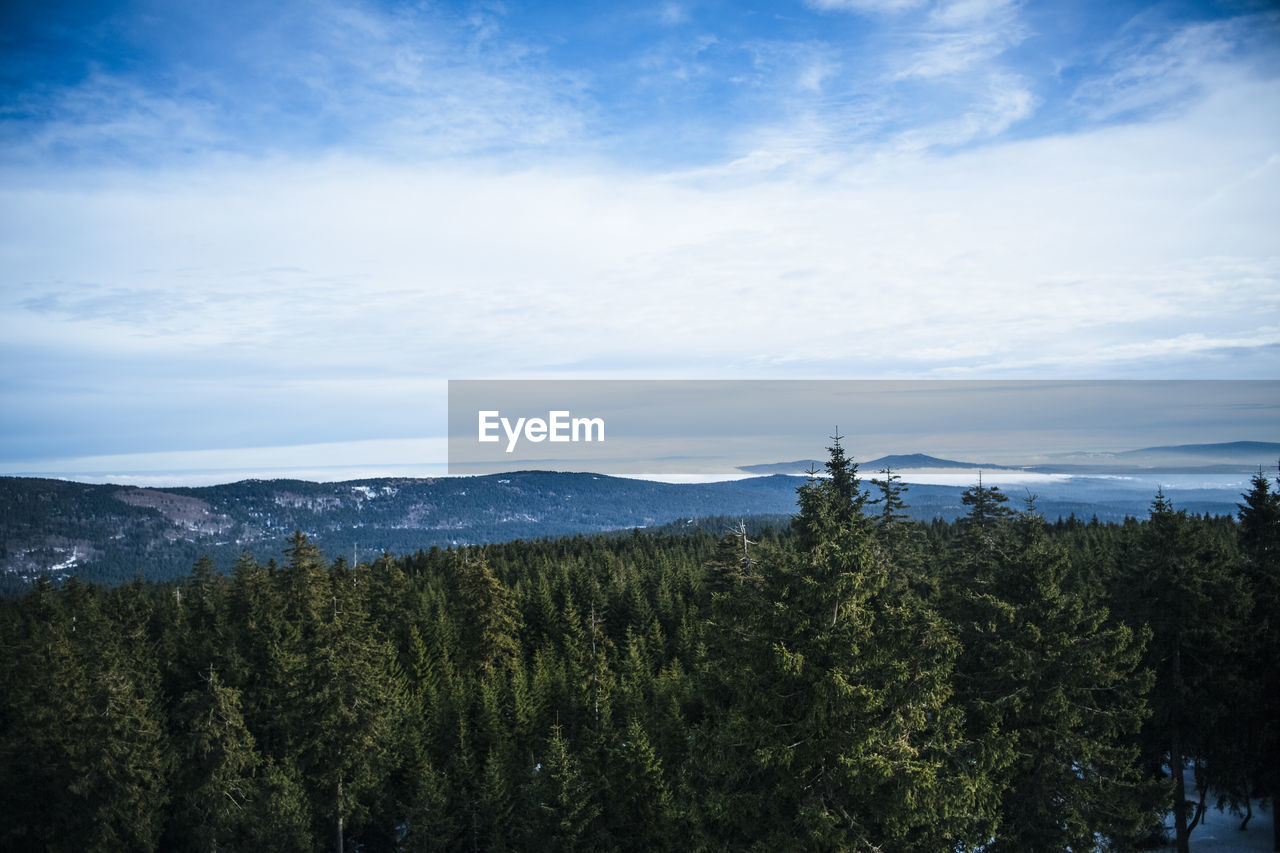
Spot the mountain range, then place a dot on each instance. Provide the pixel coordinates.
(897, 462)
(110, 533)
(1231, 457)
(1226, 457)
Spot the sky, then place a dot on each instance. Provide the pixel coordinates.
(244, 237)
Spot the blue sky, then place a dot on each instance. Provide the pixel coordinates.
(229, 228)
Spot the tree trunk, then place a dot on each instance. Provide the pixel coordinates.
(338, 840)
(1200, 789)
(1275, 819)
(1177, 764)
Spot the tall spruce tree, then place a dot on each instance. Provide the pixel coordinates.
(217, 779)
(987, 515)
(1183, 586)
(832, 727)
(1054, 690)
(1260, 551)
(891, 504)
(351, 710)
(487, 613)
(85, 747)
(563, 801)
(901, 537)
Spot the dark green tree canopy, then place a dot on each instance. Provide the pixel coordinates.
(851, 681)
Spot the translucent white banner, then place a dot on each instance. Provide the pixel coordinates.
(681, 427)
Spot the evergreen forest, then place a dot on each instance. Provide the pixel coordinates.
(851, 681)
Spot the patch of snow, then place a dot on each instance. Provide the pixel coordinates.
(1218, 831)
(68, 563)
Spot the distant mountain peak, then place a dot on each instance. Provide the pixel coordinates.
(923, 460)
(896, 461)
(1222, 448)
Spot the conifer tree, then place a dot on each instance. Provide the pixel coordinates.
(1055, 691)
(304, 582)
(891, 503)
(1182, 587)
(640, 802)
(497, 804)
(216, 779)
(45, 703)
(1260, 550)
(431, 823)
(902, 538)
(831, 508)
(354, 696)
(563, 802)
(987, 515)
(85, 740)
(487, 613)
(832, 725)
(733, 564)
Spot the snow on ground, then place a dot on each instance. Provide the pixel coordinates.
(1219, 831)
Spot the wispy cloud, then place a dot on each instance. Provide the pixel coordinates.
(1054, 247)
(1155, 65)
(867, 6)
(1005, 101)
(961, 35)
(672, 14)
(406, 82)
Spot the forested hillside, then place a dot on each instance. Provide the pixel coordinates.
(111, 534)
(853, 681)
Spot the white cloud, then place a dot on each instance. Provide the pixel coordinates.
(1006, 101)
(968, 13)
(962, 35)
(814, 73)
(672, 14)
(405, 83)
(1070, 251)
(1145, 70)
(877, 7)
(346, 460)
